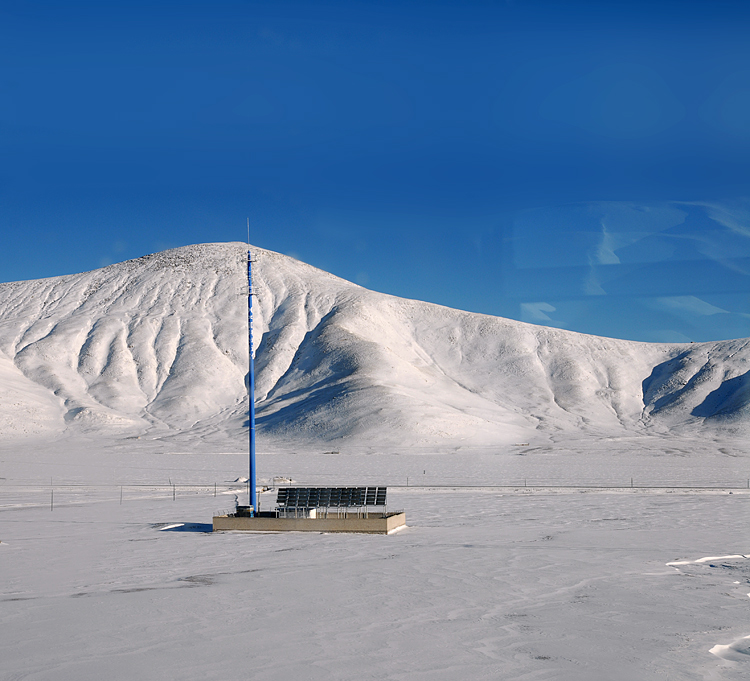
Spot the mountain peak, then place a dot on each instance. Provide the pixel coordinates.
(158, 345)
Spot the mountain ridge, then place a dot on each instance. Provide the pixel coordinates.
(158, 345)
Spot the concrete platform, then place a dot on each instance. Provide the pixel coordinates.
(374, 523)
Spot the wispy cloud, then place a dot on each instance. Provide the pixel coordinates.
(605, 251)
(730, 240)
(591, 286)
(625, 225)
(688, 304)
(735, 217)
(536, 312)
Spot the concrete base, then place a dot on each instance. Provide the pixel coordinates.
(375, 523)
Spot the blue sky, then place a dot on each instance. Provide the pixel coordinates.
(583, 165)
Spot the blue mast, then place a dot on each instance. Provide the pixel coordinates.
(253, 501)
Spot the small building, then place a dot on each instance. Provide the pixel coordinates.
(319, 509)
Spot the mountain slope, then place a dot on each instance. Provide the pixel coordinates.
(159, 345)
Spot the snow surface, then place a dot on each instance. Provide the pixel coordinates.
(157, 347)
(576, 506)
(485, 583)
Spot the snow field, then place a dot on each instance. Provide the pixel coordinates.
(483, 584)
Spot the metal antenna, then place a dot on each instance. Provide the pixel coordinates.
(252, 493)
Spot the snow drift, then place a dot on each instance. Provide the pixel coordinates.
(158, 345)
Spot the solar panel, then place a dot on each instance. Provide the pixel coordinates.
(330, 497)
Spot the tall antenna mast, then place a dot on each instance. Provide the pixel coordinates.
(252, 501)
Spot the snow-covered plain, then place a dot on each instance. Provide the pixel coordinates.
(513, 448)
(485, 583)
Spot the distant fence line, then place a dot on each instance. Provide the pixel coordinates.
(409, 483)
(215, 488)
(44, 494)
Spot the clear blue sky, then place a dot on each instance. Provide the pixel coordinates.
(578, 164)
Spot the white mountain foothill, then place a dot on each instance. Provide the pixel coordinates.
(157, 346)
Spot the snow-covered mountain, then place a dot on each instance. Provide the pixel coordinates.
(158, 345)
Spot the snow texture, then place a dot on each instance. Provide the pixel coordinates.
(157, 346)
(484, 583)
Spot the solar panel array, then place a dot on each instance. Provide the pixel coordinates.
(330, 497)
